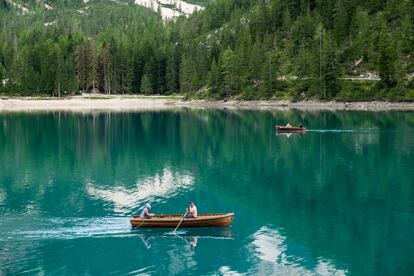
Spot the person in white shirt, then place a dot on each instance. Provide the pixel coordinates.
(145, 214)
(192, 211)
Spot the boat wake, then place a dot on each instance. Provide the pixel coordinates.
(67, 228)
(360, 130)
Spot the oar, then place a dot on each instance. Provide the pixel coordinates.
(175, 230)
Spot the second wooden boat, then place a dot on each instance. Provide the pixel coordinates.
(290, 129)
(171, 221)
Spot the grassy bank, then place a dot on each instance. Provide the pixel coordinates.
(296, 90)
(292, 90)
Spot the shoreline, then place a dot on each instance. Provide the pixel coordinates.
(131, 103)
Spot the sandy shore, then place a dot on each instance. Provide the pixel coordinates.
(125, 103)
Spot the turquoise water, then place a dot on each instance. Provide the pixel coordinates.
(337, 200)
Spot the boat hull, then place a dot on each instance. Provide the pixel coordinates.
(171, 221)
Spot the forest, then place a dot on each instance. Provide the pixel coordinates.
(233, 49)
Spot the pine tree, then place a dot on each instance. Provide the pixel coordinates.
(269, 82)
(361, 30)
(161, 73)
(83, 60)
(146, 86)
(59, 78)
(172, 70)
(4, 5)
(115, 64)
(105, 69)
(261, 20)
(186, 74)
(93, 66)
(330, 70)
(215, 80)
(406, 41)
(386, 63)
(341, 21)
(255, 64)
(230, 76)
(2, 76)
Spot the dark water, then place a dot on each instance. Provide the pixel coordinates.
(338, 200)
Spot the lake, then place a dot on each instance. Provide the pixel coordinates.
(337, 200)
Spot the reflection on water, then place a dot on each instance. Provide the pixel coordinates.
(2, 197)
(268, 245)
(207, 232)
(276, 254)
(336, 200)
(289, 134)
(147, 190)
(189, 236)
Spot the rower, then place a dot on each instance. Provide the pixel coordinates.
(145, 214)
(192, 211)
(288, 125)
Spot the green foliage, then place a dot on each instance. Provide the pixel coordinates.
(386, 63)
(2, 72)
(215, 80)
(146, 86)
(233, 49)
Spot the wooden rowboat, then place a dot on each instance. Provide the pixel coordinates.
(171, 221)
(290, 129)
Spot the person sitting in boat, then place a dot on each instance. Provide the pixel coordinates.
(192, 211)
(145, 214)
(288, 125)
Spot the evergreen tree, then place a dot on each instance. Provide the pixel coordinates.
(146, 86)
(269, 81)
(255, 64)
(341, 21)
(83, 59)
(330, 70)
(215, 80)
(230, 77)
(94, 66)
(59, 78)
(2, 75)
(406, 41)
(172, 70)
(361, 30)
(386, 64)
(186, 74)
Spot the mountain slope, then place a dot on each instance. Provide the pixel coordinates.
(291, 49)
(170, 9)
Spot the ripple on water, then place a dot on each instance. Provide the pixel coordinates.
(63, 228)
